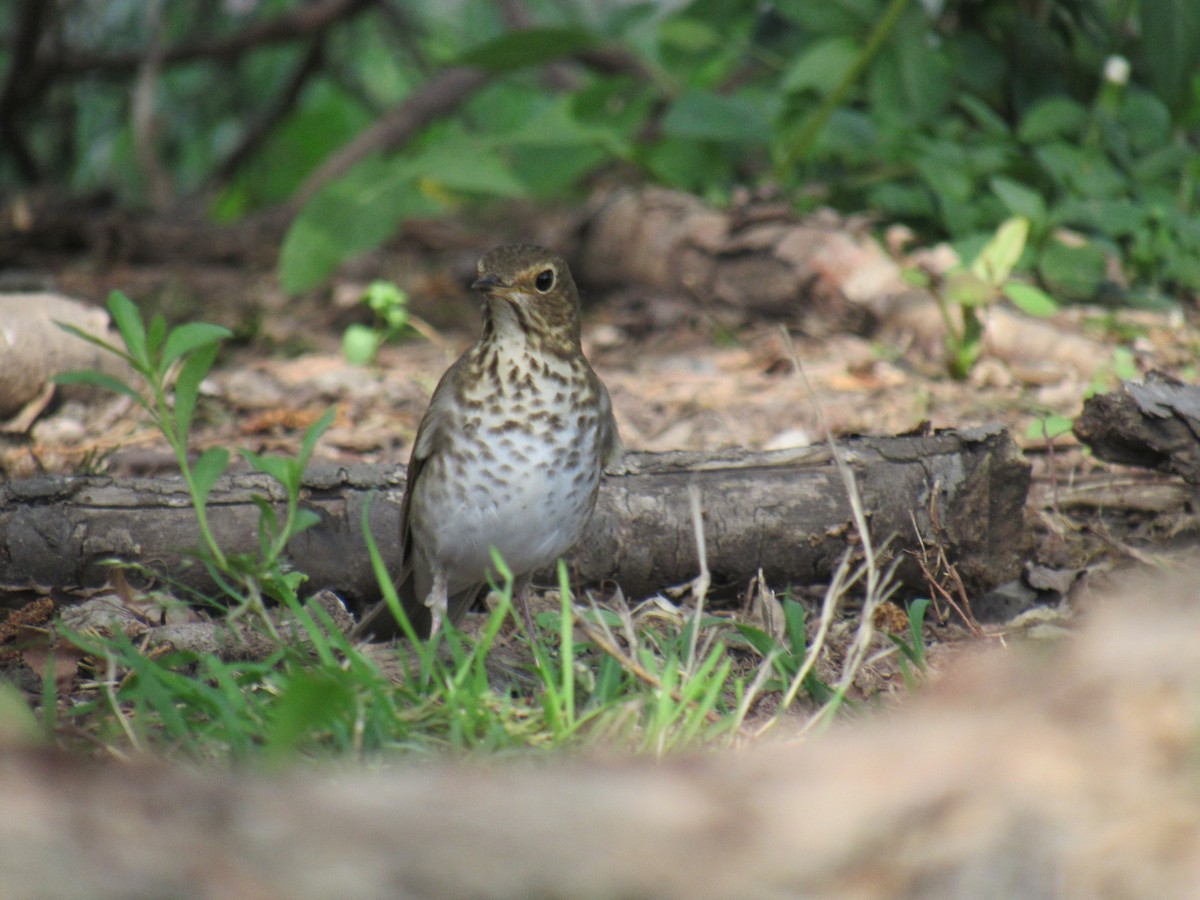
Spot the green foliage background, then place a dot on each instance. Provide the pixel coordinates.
(947, 115)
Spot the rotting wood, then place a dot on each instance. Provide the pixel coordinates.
(1153, 424)
(784, 511)
(760, 260)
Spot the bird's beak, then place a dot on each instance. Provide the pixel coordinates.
(488, 284)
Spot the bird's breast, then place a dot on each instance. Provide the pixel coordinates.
(518, 468)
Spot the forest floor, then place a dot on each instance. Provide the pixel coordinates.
(682, 376)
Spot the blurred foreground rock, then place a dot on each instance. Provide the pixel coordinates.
(1066, 772)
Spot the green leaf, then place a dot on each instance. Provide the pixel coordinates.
(129, 324)
(189, 337)
(689, 35)
(793, 615)
(561, 125)
(822, 65)
(966, 288)
(18, 724)
(1019, 199)
(838, 17)
(762, 642)
(1171, 46)
(964, 351)
(310, 701)
(985, 117)
(688, 164)
(304, 520)
(1049, 427)
(355, 213)
(996, 261)
(460, 165)
(1115, 218)
(527, 47)
(268, 522)
(1054, 117)
(1030, 299)
(187, 386)
(154, 336)
(326, 117)
(362, 209)
(207, 469)
(312, 434)
(1087, 172)
(916, 622)
(360, 343)
(1146, 120)
(911, 79)
(1075, 271)
(95, 341)
(100, 380)
(269, 464)
(704, 115)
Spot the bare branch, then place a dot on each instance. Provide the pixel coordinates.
(437, 97)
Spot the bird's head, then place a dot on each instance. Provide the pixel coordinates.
(530, 288)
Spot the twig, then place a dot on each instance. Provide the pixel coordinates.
(606, 641)
(110, 680)
(433, 100)
(704, 579)
(878, 586)
(442, 94)
(943, 565)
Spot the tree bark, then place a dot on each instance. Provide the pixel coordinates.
(1153, 425)
(785, 512)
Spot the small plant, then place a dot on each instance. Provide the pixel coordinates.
(1047, 428)
(964, 294)
(912, 648)
(184, 356)
(790, 658)
(173, 363)
(360, 343)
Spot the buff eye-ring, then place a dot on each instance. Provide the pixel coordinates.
(544, 280)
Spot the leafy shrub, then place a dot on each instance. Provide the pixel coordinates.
(951, 116)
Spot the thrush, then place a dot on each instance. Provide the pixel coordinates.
(510, 452)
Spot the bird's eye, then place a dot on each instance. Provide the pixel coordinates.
(544, 280)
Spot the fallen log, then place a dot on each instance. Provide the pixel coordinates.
(785, 512)
(761, 259)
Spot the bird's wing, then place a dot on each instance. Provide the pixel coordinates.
(612, 449)
(378, 621)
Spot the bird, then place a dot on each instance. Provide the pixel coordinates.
(510, 451)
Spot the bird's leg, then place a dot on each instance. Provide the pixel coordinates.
(438, 601)
(521, 595)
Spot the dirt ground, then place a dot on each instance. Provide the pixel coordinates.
(682, 375)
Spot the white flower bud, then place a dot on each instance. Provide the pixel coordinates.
(1116, 70)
